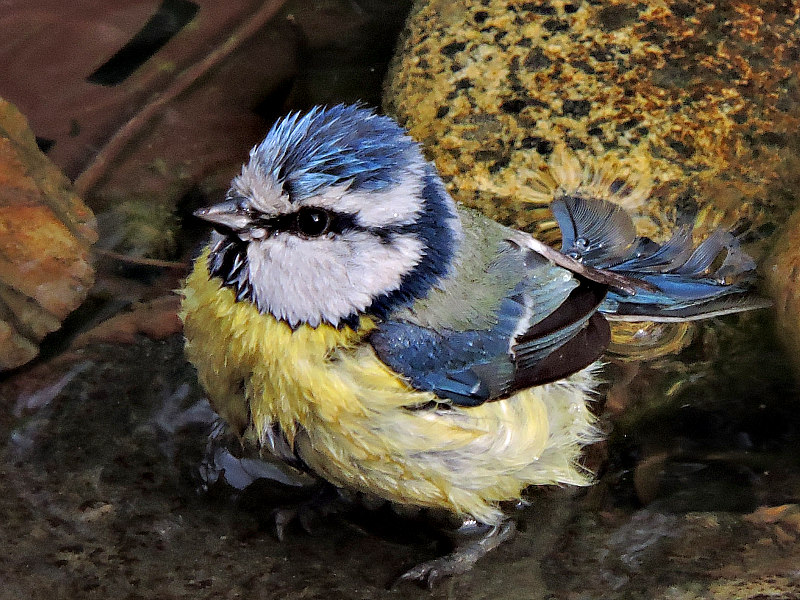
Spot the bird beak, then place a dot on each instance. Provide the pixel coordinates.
(225, 215)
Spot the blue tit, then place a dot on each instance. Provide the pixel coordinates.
(354, 321)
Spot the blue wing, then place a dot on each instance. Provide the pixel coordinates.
(506, 320)
(509, 319)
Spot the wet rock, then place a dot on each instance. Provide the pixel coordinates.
(646, 554)
(699, 96)
(782, 271)
(45, 234)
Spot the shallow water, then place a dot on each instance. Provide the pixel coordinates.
(103, 496)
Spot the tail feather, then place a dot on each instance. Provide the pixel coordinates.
(674, 281)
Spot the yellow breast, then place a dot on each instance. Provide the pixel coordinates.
(347, 416)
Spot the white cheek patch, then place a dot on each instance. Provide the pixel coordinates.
(380, 266)
(327, 279)
(399, 205)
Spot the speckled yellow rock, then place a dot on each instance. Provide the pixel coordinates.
(699, 98)
(782, 272)
(45, 234)
(703, 94)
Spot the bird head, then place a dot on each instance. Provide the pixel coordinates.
(337, 214)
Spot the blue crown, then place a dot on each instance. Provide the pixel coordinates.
(330, 146)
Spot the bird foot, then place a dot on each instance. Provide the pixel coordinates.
(461, 560)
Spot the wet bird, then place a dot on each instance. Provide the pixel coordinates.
(354, 321)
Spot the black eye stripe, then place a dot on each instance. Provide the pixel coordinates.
(338, 224)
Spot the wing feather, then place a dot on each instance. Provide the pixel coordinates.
(517, 313)
(530, 309)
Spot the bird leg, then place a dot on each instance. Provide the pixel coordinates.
(462, 559)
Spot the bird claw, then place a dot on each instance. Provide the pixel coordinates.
(461, 560)
(430, 572)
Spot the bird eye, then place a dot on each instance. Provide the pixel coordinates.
(312, 222)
